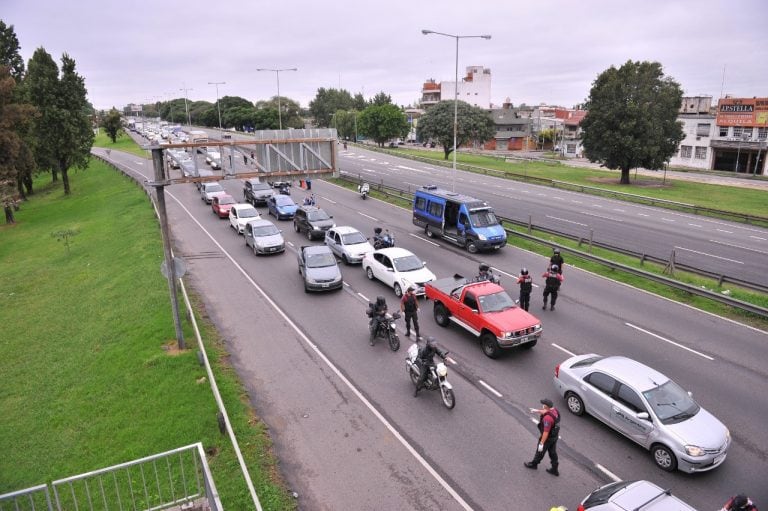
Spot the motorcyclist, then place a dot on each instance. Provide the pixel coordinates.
(486, 274)
(376, 311)
(426, 360)
(740, 502)
(556, 260)
(363, 189)
(381, 240)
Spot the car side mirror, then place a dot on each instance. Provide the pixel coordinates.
(643, 415)
(424, 264)
(690, 394)
(391, 269)
(474, 311)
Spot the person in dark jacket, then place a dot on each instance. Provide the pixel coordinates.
(525, 281)
(425, 360)
(409, 305)
(740, 502)
(552, 281)
(549, 432)
(557, 259)
(376, 311)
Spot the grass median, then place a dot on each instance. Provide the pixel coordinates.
(91, 376)
(122, 143)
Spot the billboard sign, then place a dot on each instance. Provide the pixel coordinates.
(742, 112)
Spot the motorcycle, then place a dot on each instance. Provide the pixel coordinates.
(385, 240)
(363, 190)
(386, 329)
(489, 277)
(437, 378)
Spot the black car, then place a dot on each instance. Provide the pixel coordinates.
(313, 221)
(256, 192)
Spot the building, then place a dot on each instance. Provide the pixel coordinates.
(698, 126)
(513, 129)
(474, 88)
(739, 141)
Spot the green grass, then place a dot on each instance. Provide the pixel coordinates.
(728, 198)
(87, 379)
(123, 143)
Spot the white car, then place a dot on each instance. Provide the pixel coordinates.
(241, 214)
(209, 190)
(211, 156)
(348, 243)
(398, 268)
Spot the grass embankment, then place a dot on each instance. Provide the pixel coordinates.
(727, 198)
(88, 379)
(123, 143)
(619, 276)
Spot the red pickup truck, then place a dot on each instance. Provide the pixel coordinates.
(485, 310)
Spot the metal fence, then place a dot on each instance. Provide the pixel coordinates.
(171, 479)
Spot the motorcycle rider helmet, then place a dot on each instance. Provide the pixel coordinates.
(484, 268)
(429, 341)
(554, 267)
(377, 230)
(740, 501)
(524, 271)
(380, 301)
(556, 251)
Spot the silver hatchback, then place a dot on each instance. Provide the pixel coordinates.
(646, 407)
(632, 495)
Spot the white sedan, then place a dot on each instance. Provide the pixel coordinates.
(241, 214)
(398, 268)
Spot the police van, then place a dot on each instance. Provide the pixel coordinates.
(460, 219)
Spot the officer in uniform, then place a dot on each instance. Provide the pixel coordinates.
(549, 432)
(556, 259)
(525, 282)
(552, 281)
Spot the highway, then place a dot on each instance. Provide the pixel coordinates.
(346, 427)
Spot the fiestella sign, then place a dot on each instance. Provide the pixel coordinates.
(742, 112)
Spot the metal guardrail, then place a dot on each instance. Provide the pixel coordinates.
(36, 497)
(733, 302)
(642, 199)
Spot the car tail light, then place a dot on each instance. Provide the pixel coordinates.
(580, 508)
(557, 375)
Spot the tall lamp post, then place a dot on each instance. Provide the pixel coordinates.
(743, 138)
(455, 92)
(218, 107)
(279, 107)
(186, 106)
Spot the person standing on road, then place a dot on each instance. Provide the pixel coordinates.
(557, 259)
(740, 503)
(549, 432)
(525, 282)
(552, 281)
(409, 305)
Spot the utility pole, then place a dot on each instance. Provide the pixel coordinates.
(186, 105)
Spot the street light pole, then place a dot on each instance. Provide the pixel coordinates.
(279, 107)
(186, 106)
(738, 151)
(455, 93)
(218, 107)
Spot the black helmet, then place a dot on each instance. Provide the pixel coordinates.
(740, 501)
(556, 251)
(377, 230)
(380, 300)
(484, 267)
(554, 267)
(524, 271)
(429, 340)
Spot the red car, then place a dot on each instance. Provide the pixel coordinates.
(221, 204)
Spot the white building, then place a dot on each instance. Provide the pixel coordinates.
(694, 150)
(474, 88)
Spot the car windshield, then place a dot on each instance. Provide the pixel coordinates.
(408, 263)
(320, 260)
(214, 154)
(496, 302)
(227, 200)
(260, 186)
(284, 200)
(213, 188)
(265, 230)
(353, 238)
(483, 218)
(671, 403)
(318, 215)
(247, 213)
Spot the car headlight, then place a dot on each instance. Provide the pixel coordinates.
(693, 450)
(481, 237)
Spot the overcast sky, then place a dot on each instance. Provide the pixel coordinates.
(541, 51)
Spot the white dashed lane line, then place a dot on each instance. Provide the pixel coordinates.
(710, 255)
(490, 389)
(757, 238)
(694, 225)
(567, 221)
(630, 325)
(723, 230)
(600, 216)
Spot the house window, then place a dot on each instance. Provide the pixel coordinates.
(747, 133)
(737, 131)
(685, 151)
(762, 133)
(723, 131)
(701, 153)
(702, 130)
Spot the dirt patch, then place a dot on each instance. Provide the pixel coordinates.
(172, 348)
(640, 183)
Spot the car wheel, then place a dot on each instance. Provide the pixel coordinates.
(428, 232)
(575, 404)
(306, 289)
(344, 259)
(369, 273)
(664, 458)
(472, 247)
(442, 316)
(309, 235)
(449, 400)
(490, 346)
(398, 290)
(254, 250)
(296, 227)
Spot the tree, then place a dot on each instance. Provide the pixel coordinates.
(345, 123)
(289, 108)
(381, 99)
(10, 51)
(631, 118)
(41, 83)
(111, 124)
(359, 103)
(327, 102)
(382, 123)
(437, 123)
(238, 117)
(266, 119)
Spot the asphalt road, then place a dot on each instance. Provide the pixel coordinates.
(350, 435)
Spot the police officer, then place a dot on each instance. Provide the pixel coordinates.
(485, 274)
(409, 305)
(525, 282)
(740, 502)
(556, 259)
(549, 432)
(552, 281)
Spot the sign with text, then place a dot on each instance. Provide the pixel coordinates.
(742, 112)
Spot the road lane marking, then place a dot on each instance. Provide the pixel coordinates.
(490, 389)
(558, 198)
(138, 162)
(370, 170)
(368, 216)
(576, 201)
(408, 168)
(642, 214)
(361, 295)
(596, 205)
(757, 238)
(630, 325)
(327, 199)
(600, 216)
(412, 184)
(739, 246)
(694, 225)
(710, 255)
(619, 210)
(723, 230)
(564, 220)
(423, 239)
(563, 349)
(667, 219)
(607, 472)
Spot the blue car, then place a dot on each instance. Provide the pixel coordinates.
(281, 207)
